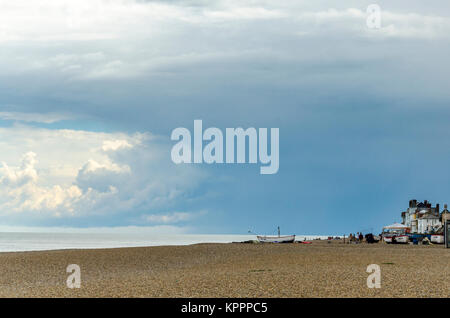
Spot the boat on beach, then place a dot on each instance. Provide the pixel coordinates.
(437, 238)
(276, 239)
(396, 233)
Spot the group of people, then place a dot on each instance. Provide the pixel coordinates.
(358, 237)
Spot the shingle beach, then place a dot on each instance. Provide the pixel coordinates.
(319, 269)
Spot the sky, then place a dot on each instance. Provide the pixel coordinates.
(90, 91)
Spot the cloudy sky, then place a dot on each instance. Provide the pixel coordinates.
(90, 91)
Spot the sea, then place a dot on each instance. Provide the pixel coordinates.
(19, 242)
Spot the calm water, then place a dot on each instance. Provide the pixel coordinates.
(15, 242)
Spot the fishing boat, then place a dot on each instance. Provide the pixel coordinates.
(396, 233)
(276, 239)
(437, 238)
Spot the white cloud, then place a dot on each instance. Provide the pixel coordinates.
(70, 173)
(17, 177)
(34, 117)
(157, 229)
(352, 21)
(60, 153)
(20, 192)
(175, 217)
(115, 145)
(139, 37)
(245, 13)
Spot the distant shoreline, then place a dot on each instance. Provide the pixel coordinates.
(147, 246)
(21, 242)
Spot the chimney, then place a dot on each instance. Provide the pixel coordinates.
(437, 208)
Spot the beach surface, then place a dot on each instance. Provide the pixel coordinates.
(320, 269)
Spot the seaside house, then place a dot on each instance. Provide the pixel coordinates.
(423, 218)
(428, 223)
(445, 215)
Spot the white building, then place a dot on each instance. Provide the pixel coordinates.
(421, 217)
(427, 223)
